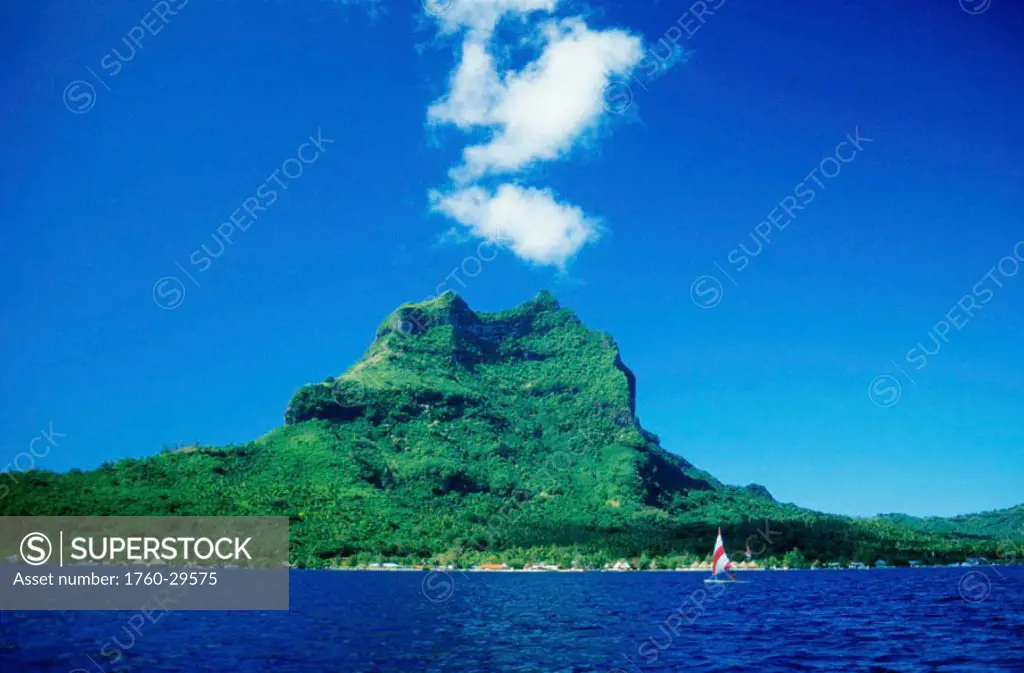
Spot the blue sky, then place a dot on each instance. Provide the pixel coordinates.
(623, 171)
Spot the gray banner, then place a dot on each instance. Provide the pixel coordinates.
(129, 563)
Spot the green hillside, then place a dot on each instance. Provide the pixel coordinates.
(468, 437)
(1003, 524)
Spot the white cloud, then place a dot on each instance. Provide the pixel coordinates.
(474, 90)
(535, 114)
(541, 111)
(528, 220)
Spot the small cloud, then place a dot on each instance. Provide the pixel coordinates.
(540, 112)
(530, 221)
(474, 90)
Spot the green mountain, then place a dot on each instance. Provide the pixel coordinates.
(468, 437)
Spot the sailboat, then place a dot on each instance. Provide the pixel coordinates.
(720, 564)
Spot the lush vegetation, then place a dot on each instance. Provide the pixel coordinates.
(1005, 524)
(469, 438)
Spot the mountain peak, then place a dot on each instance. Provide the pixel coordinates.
(414, 318)
(441, 343)
(545, 300)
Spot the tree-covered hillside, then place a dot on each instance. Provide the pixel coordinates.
(1006, 524)
(466, 437)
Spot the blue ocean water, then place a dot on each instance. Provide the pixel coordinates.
(949, 619)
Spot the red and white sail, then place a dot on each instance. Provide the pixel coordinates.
(720, 561)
